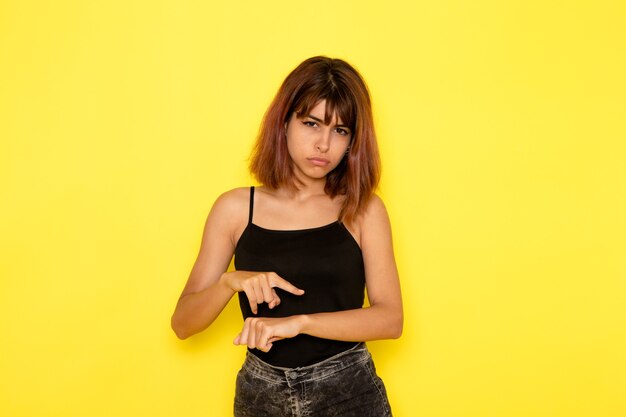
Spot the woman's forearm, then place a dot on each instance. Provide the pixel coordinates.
(359, 325)
(196, 311)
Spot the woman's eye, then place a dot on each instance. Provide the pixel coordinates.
(342, 132)
(309, 123)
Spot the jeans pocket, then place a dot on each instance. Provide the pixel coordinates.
(380, 386)
(257, 397)
(350, 392)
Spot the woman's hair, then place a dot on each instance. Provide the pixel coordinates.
(346, 94)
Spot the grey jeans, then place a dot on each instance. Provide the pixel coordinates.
(344, 385)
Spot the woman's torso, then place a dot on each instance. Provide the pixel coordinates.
(325, 261)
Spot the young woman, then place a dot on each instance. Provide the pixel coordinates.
(306, 244)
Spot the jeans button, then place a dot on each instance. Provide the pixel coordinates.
(293, 375)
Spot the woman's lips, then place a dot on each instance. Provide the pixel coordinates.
(318, 161)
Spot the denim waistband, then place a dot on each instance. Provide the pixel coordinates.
(317, 371)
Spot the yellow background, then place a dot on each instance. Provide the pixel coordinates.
(502, 129)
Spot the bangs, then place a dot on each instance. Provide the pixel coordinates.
(338, 102)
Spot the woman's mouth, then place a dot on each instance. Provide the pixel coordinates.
(321, 162)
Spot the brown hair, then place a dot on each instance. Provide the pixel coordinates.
(346, 94)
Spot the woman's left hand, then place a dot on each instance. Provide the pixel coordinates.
(261, 332)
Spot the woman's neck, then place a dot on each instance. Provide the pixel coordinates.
(306, 189)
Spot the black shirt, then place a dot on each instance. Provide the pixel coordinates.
(326, 262)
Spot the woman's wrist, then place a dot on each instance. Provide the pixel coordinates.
(304, 323)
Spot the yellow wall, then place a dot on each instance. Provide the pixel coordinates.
(502, 129)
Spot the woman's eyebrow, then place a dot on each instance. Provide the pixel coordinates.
(317, 119)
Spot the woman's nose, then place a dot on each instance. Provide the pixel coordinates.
(323, 141)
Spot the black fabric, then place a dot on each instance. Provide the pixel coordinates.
(326, 262)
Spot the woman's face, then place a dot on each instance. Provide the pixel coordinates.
(314, 147)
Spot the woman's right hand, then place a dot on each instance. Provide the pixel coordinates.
(259, 287)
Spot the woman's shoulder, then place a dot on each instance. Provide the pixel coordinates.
(373, 215)
(375, 202)
(234, 196)
(374, 209)
(375, 227)
(233, 202)
(230, 213)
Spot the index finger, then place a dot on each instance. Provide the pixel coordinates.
(278, 282)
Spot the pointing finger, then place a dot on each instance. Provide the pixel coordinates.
(285, 285)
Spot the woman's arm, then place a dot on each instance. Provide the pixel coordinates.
(209, 287)
(382, 320)
(205, 295)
